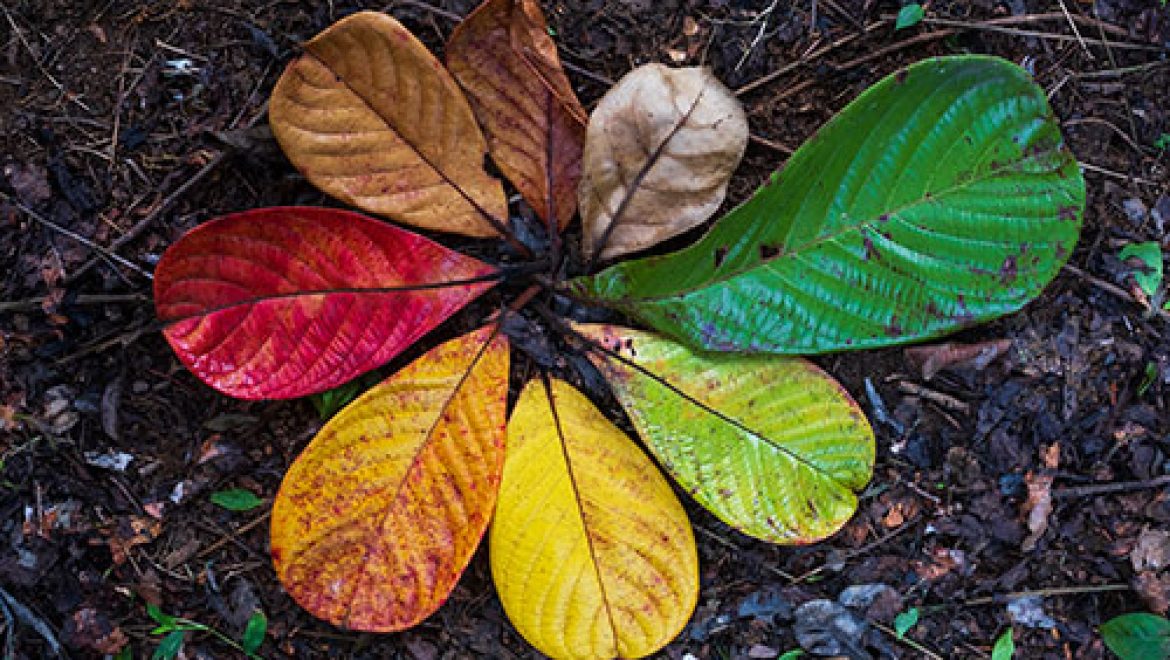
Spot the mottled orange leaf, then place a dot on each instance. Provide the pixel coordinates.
(379, 516)
(504, 58)
(372, 118)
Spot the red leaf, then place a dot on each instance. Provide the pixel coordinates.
(282, 302)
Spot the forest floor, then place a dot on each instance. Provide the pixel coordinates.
(124, 124)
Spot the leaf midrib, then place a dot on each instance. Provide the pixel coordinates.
(815, 243)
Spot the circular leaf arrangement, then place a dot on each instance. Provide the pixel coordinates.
(941, 197)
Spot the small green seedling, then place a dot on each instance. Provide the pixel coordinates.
(236, 499)
(176, 628)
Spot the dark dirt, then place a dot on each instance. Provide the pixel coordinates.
(125, 123)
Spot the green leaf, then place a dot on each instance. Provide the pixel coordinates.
(772, 446)
(254, 632)
(1137, 636)
(909, 16)
(940, 197)
(1149, 274)
(159, 617)
(125, 653)
(169, 647)
(329, 402)
(1163, 141)
(905, 621)
(1005, 646)
(1148, 378)
(236, 499)
(792, 655)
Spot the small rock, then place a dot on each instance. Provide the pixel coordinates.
(1029, 612)
(826, 628)
(1135, 210)
(761, 651)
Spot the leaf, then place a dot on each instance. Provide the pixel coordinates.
(905, 621)
(773, 447)
(909, 16)
(159, 617)
(379, 516)
(236, 499)
(1137, 636)
(327, 403)
(254, 632)
(507, 64)
(661, 146)
(1149, 255)
(169, 647)
(372, 118)
(941, 197)
(1004, 647)
(282, 302)
(591, 553)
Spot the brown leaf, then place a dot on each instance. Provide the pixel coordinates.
(372, 118)
(123, 533)
(933, 359)
(503, 57)
(1152, 551)
(1039, 503)
(660, 149)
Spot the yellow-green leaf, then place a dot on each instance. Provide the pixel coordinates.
(376, 520)
(773, 446)
(591, 552)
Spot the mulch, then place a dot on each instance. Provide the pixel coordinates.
(1022, 484)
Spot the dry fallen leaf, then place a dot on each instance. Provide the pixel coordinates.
(507, 63)
(659, 151)
(1039, 503)
(372, 118)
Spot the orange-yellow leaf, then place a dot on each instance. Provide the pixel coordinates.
(503, 57)
(372, 118)
(591, 552)
(376, 520)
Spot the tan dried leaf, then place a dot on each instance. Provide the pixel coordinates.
(659, 151)
(372, 118)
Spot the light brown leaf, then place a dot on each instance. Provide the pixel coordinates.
(503, 57)
(659, 151)
(372, 118)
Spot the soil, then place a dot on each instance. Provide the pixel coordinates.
(1021, 486)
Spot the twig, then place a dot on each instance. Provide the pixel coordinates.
(990, 26)
(34, 304)
(731, 546)
(1076, 31)
(14, 607)
(1111, 289)
(1097, 169)
(106, 253)
(229, 538)
(1112, 487)
(166, 203)
(882, 52)
(945, 400)
(905, 640)
(999, 599)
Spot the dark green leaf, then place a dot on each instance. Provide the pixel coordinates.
(236, 499)
(909, 16)
(1163, 141)
(1137, 636)
(905, 621)
(941, 197)
(1005, 646)
(329, 402)
(169, 647)
(254, 632)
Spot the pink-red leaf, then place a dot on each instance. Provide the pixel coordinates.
(287, 301)
(505, 60)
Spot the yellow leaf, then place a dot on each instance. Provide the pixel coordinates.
(376, 520)
(591, 552)
(372, 118)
